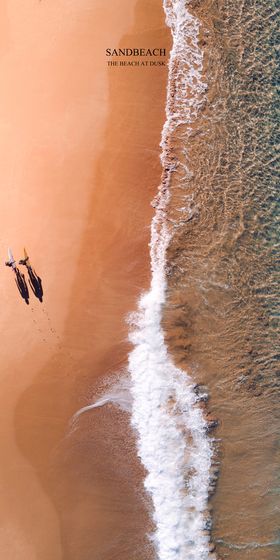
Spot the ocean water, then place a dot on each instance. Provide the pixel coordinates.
(221, 317)
(203, 373)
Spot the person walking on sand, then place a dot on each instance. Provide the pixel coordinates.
(34, 280)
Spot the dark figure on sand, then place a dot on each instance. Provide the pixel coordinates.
(34, 280)
(7, 263)
(12, 264)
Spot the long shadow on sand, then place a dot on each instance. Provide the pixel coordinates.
(35, 283)
(22, 286)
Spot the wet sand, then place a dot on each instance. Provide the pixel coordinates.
(79, 167)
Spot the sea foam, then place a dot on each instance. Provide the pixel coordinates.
(172, 433)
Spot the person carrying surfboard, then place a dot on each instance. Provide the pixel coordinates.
(11, 262)
(34, 280)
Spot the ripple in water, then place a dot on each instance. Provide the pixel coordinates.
(222, 314)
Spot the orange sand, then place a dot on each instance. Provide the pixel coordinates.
(79, 167)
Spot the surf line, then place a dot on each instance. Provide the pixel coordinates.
(172, 439)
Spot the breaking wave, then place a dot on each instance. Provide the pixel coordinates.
(172, 433)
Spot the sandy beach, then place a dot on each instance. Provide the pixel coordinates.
(79, 168)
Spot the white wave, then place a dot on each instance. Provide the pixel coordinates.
(117, 393)
(172, 441)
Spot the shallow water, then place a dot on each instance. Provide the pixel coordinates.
(222, 314)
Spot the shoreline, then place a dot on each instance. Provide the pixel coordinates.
(173, 433)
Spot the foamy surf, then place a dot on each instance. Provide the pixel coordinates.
(172, 433)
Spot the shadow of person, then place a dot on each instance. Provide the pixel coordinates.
(22, 286)
(35, 283)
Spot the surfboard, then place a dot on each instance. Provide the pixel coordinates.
(11, 258)
(26, 256)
